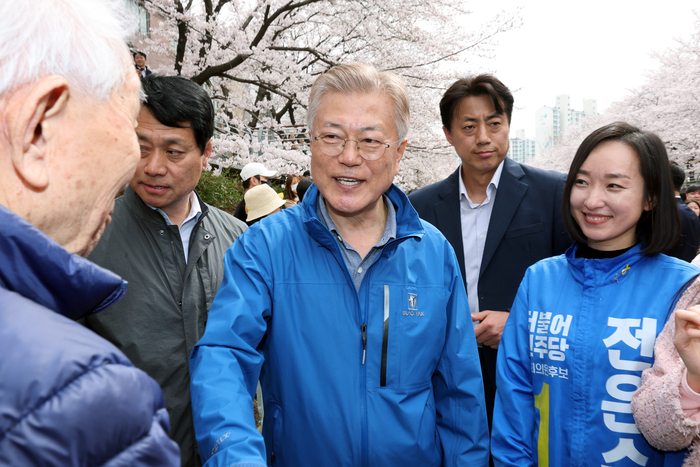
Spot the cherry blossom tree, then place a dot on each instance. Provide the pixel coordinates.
(258, 59)
(668, 104)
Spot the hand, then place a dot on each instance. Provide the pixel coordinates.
(687, 342)
(488, 331)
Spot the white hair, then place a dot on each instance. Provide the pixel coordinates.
(81, 40)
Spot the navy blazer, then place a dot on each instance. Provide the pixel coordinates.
(686, 248)
(525, 227)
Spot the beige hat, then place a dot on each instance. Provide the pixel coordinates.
(261, 200)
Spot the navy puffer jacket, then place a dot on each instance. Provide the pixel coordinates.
(67, 396)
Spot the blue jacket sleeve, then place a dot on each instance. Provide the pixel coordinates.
(515, 417)
(225, 364)
(459, 391)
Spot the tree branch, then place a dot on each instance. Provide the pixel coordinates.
(305, 49)
(268, 87)
(217, 70)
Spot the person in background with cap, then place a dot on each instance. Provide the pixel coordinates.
(262, 201)
(253, 174)
(169, 245)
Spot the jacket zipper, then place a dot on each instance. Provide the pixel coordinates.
(385, 340)
(364, 341)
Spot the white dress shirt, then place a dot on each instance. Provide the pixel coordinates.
(188, 224)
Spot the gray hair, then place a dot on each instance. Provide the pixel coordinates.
(358, 78)
(81, 40)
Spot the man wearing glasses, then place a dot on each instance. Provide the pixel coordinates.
(349, 308)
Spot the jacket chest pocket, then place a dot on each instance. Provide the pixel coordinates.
(412, 335)
(522, 231)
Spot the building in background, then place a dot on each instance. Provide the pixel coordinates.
(136, 8)
(147, 23)
(521, 149)
(552, 122)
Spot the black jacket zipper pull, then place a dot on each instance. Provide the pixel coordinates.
(364, 341)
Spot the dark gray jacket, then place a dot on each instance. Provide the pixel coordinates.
(164, 312)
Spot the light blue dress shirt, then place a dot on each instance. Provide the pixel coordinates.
(475, 220)
(357, 266)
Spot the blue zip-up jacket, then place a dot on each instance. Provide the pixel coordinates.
(579, 335)
(387, 376)
(67, 396)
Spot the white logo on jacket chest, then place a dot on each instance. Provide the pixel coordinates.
(413, 302)
(412, 306)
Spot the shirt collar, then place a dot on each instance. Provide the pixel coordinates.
(493, 185)
(389, 228)
(195, 210)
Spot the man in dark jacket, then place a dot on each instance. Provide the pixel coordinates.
(140, 62)
(67, 147)
(686, 248)
(169, 245)
(500, 216)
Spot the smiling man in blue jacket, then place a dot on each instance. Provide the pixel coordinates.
(366, 355)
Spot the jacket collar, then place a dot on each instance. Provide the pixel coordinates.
(139, 208)
(451, 184)
(408, 223)
(41, 270)
(604, 271)
(511, 191)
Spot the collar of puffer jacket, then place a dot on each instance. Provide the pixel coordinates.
(38, 268)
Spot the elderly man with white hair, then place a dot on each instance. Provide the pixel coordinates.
(69, 100)
(348, 307)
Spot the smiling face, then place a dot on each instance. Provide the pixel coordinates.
(170, 166)
(140, 60)
(479, 135)
(695, 208)
(351, 185)
(607, 198)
